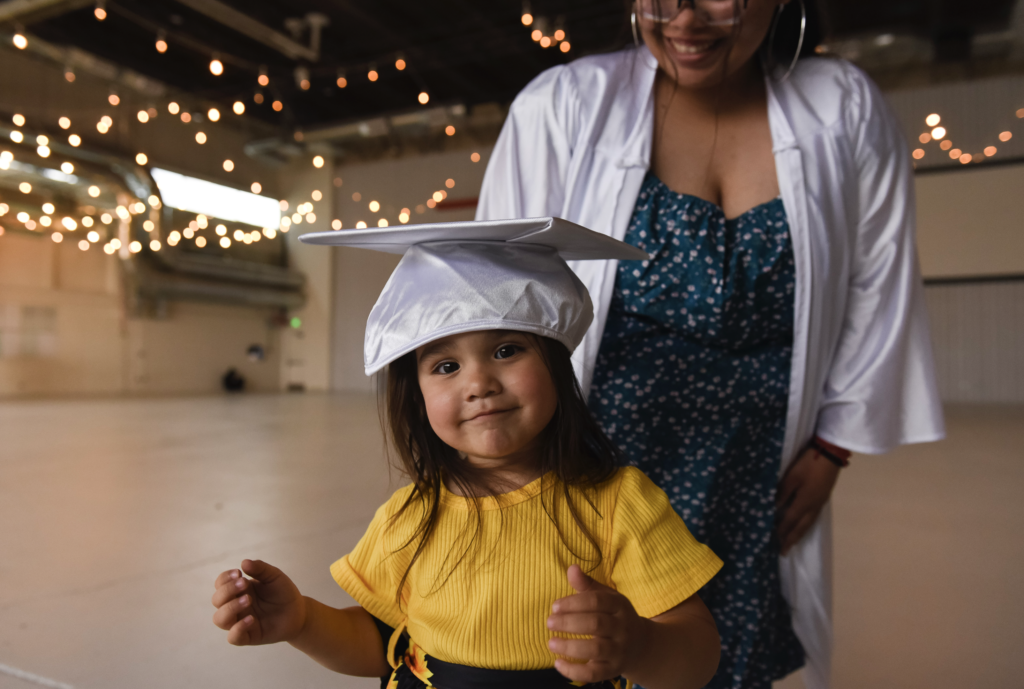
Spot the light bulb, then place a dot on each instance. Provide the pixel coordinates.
(94, 191)
(67, 168)
(475, 157)
(216, 67)
(423, 98)
(213, 114)
(399, 64)
(64, 123)
(200, 138)
(18, 120)
(565, 47)
(372, 75)
(20, 42)
(141, 159)
(932, 120)
(238, 108)
(318, 161)
(173, 108)
(75, 140)
(113, 99)
(316, 195)
(527, 19)
(143, 116)
(256, 187)
(229, 165)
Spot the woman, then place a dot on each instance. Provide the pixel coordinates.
(779, 324)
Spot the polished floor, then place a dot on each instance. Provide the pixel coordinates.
(116, 515)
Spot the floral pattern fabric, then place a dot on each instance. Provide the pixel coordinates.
(692, 382)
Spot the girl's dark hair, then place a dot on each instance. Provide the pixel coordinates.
(576, 451)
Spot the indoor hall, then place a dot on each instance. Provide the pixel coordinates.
(182, 382)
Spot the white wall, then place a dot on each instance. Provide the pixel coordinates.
(359, 275)
(971, 221)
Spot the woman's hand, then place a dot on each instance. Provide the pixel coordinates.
(616, 632)
(801, 494)
(262, 610)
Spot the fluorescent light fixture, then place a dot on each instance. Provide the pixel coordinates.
(216, 200)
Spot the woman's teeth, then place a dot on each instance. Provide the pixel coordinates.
(691, 48)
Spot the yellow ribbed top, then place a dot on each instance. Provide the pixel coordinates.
(491, 611)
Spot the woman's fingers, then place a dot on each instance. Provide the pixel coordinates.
(799, 530)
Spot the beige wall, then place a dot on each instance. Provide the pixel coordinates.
(971, 221)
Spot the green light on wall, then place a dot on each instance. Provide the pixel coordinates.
(296, 322)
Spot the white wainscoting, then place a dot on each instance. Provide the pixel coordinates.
(978, 337)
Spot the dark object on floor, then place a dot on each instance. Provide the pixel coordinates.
(232, 381)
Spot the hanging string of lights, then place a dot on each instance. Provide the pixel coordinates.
(937, 133)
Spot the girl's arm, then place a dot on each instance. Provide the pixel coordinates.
(268, 608)
(678, 649)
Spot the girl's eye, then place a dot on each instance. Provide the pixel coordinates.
(505, 351)
(447, 367)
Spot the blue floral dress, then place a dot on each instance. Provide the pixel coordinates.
(692, 382)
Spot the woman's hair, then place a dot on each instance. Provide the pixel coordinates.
(575, 450)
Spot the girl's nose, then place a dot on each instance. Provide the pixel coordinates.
(481, 382)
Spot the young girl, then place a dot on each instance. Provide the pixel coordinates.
(521, 554)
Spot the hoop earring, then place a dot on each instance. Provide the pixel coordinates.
(800, 41)
(632, 21)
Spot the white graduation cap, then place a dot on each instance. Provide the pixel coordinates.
(461, 277)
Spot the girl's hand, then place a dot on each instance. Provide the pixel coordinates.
(801, 494)
(262, 610)
(617, 633)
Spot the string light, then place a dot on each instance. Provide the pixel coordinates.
(19, 40)
(565, 47)
(45, 221)
(43, 151)
(449, 130)
(559, 35)
(256, 187)
(43, 140)
(94, 192)
(229, 165)
(382, 223)
(316, 195)
(135, 247)
(225, 242)
(69, 223)
(318, 161)
(57, 237)
(545, 42)
(143, 116)
(18, 120)
(48, 208)
(449, 183)
(431, 203)
(200, 242)
(946, 145)
(173, 108)
(475, 157)
(423, 98)
(17, 137)
(161, 43)
(536, 34)
(106, 218)
(109, 249)
(938, 132)
(69, 75)
(64, 123)
(403, 217)
(75, 140)
(278, 106)
(100, 12)
(186, 117)
(238, 235)
(360, 225)
(437, 197)
(932, 120)
(67, 168)
(990, 151)
(113, 99)
(1005, 136)
(25, 188)
(93, 236)
(87, 221)
(141, 159)
(149, 226)
(200, 138)
(372, 75)
(238, 108)
(335, 224)
(83, 245)
(374, 206)
(527, 19)
(216, 67)
(342, 82)
(213, 114)
(399, 64)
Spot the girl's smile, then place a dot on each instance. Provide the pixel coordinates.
(489, 395)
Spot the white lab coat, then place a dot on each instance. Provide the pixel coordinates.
(577, 144)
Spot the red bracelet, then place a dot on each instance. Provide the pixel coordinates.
(834, 454)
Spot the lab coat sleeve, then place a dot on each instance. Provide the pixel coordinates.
(880, 391)
(528, 168)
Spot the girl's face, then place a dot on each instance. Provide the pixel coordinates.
(708, 40)
(488, 394)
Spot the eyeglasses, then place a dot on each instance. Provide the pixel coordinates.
(710, 12)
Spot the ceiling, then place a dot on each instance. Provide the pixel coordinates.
(460, 52)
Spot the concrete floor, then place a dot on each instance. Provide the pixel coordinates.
(117, 514)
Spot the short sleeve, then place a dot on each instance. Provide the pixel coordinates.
(371, 572)
(657, 563)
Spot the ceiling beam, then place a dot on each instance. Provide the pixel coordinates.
(244, 24)
(27, 10)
